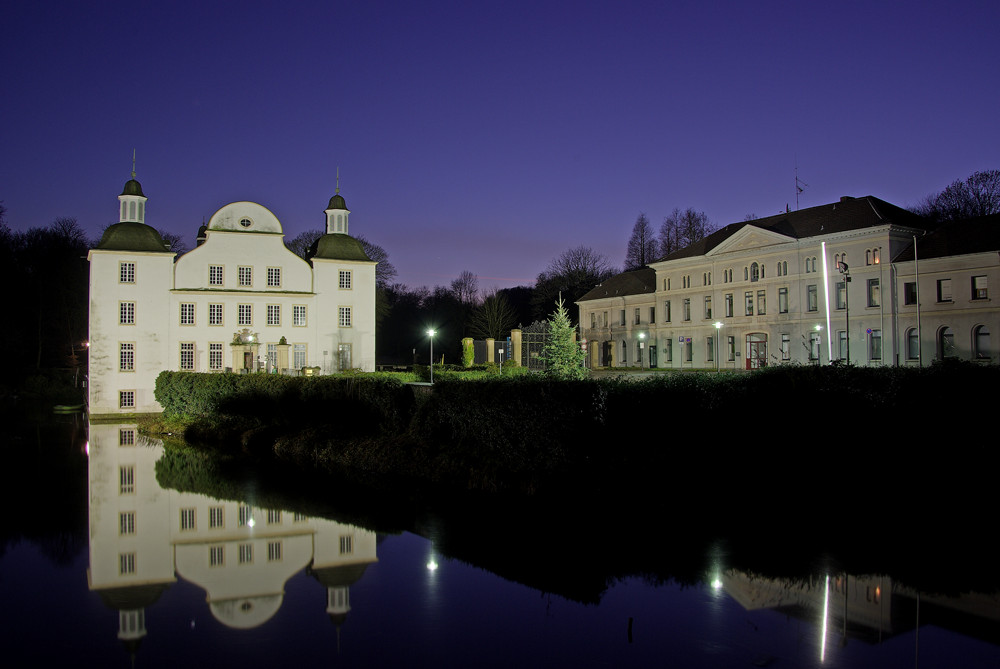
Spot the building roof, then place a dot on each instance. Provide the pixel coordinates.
(131, 236)
(132, 187)
(850, 213)
(337, 202)
(955, 238)
(338, 246)
(636, 282)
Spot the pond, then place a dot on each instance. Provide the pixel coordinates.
(131, 573)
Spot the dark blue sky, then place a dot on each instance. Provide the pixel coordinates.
(489, 136)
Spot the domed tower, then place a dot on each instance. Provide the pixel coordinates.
(337, 212)
(133, 202)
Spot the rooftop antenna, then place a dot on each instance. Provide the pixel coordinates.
(800, 185)
(133, 162)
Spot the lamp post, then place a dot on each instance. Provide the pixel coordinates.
(430, 333)
(842, 266)
(718, 351)
(642, 345)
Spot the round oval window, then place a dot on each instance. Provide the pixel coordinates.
(246, 222)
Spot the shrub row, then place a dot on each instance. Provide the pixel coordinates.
(354, 404)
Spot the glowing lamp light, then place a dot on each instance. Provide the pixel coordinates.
(432, 565)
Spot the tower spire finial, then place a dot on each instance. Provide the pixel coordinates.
(337, 190)
(133, 162)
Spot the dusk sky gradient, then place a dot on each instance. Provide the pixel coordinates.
(489, 136)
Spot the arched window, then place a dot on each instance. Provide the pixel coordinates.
(746, 274)
(131, 210)
(754, 272)
(981, 342)
(946, 343)
(868, 256)
(784, 267)
(912, 344)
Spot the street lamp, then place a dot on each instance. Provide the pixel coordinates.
(430, 333)
(642, 345)
(718, 351)
(842, 266)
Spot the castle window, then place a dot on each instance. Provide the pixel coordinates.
(126, 272)
(244, 314)
(215, 275)
(215, 356)
(187, 313)
(245, 222)
(274, 314)
(299, 315)
(274, 277)
(345, 279)
(215, 314)
(345, 317)
(187, 356)
(245, 276)
(126, 357)
(126, 313)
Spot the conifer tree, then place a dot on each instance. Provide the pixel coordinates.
(562, 355)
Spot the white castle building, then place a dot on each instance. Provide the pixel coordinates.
(239, 302)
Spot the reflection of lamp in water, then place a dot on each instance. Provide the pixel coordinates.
(432, 564)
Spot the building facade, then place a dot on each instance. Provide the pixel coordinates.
(836, 282)
(239, 302)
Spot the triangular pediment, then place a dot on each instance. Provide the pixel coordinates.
(748, 238)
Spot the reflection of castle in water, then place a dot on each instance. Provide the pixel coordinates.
(143, 537)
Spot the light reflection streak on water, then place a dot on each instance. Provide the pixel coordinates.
(826, 613)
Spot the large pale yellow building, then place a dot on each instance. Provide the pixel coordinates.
(840, 281)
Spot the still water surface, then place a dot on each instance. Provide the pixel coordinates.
(167, 578)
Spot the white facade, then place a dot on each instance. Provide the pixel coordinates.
(239, 302)
(769, 291)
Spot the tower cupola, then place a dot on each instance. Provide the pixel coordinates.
(337, 212)
(132, 202)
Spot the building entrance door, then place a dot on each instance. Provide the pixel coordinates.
(756, 350)
(247, 360)
(605, 354)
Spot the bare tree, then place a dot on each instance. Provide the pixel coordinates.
(385, 271)
(173, 242)
(466, 287)
(978, 195)
(572, 273)
(642, 245)
(300, 244)
(683, 228)
(494, 317)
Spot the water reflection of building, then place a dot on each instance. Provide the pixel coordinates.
(867, 608)
(143, 537)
